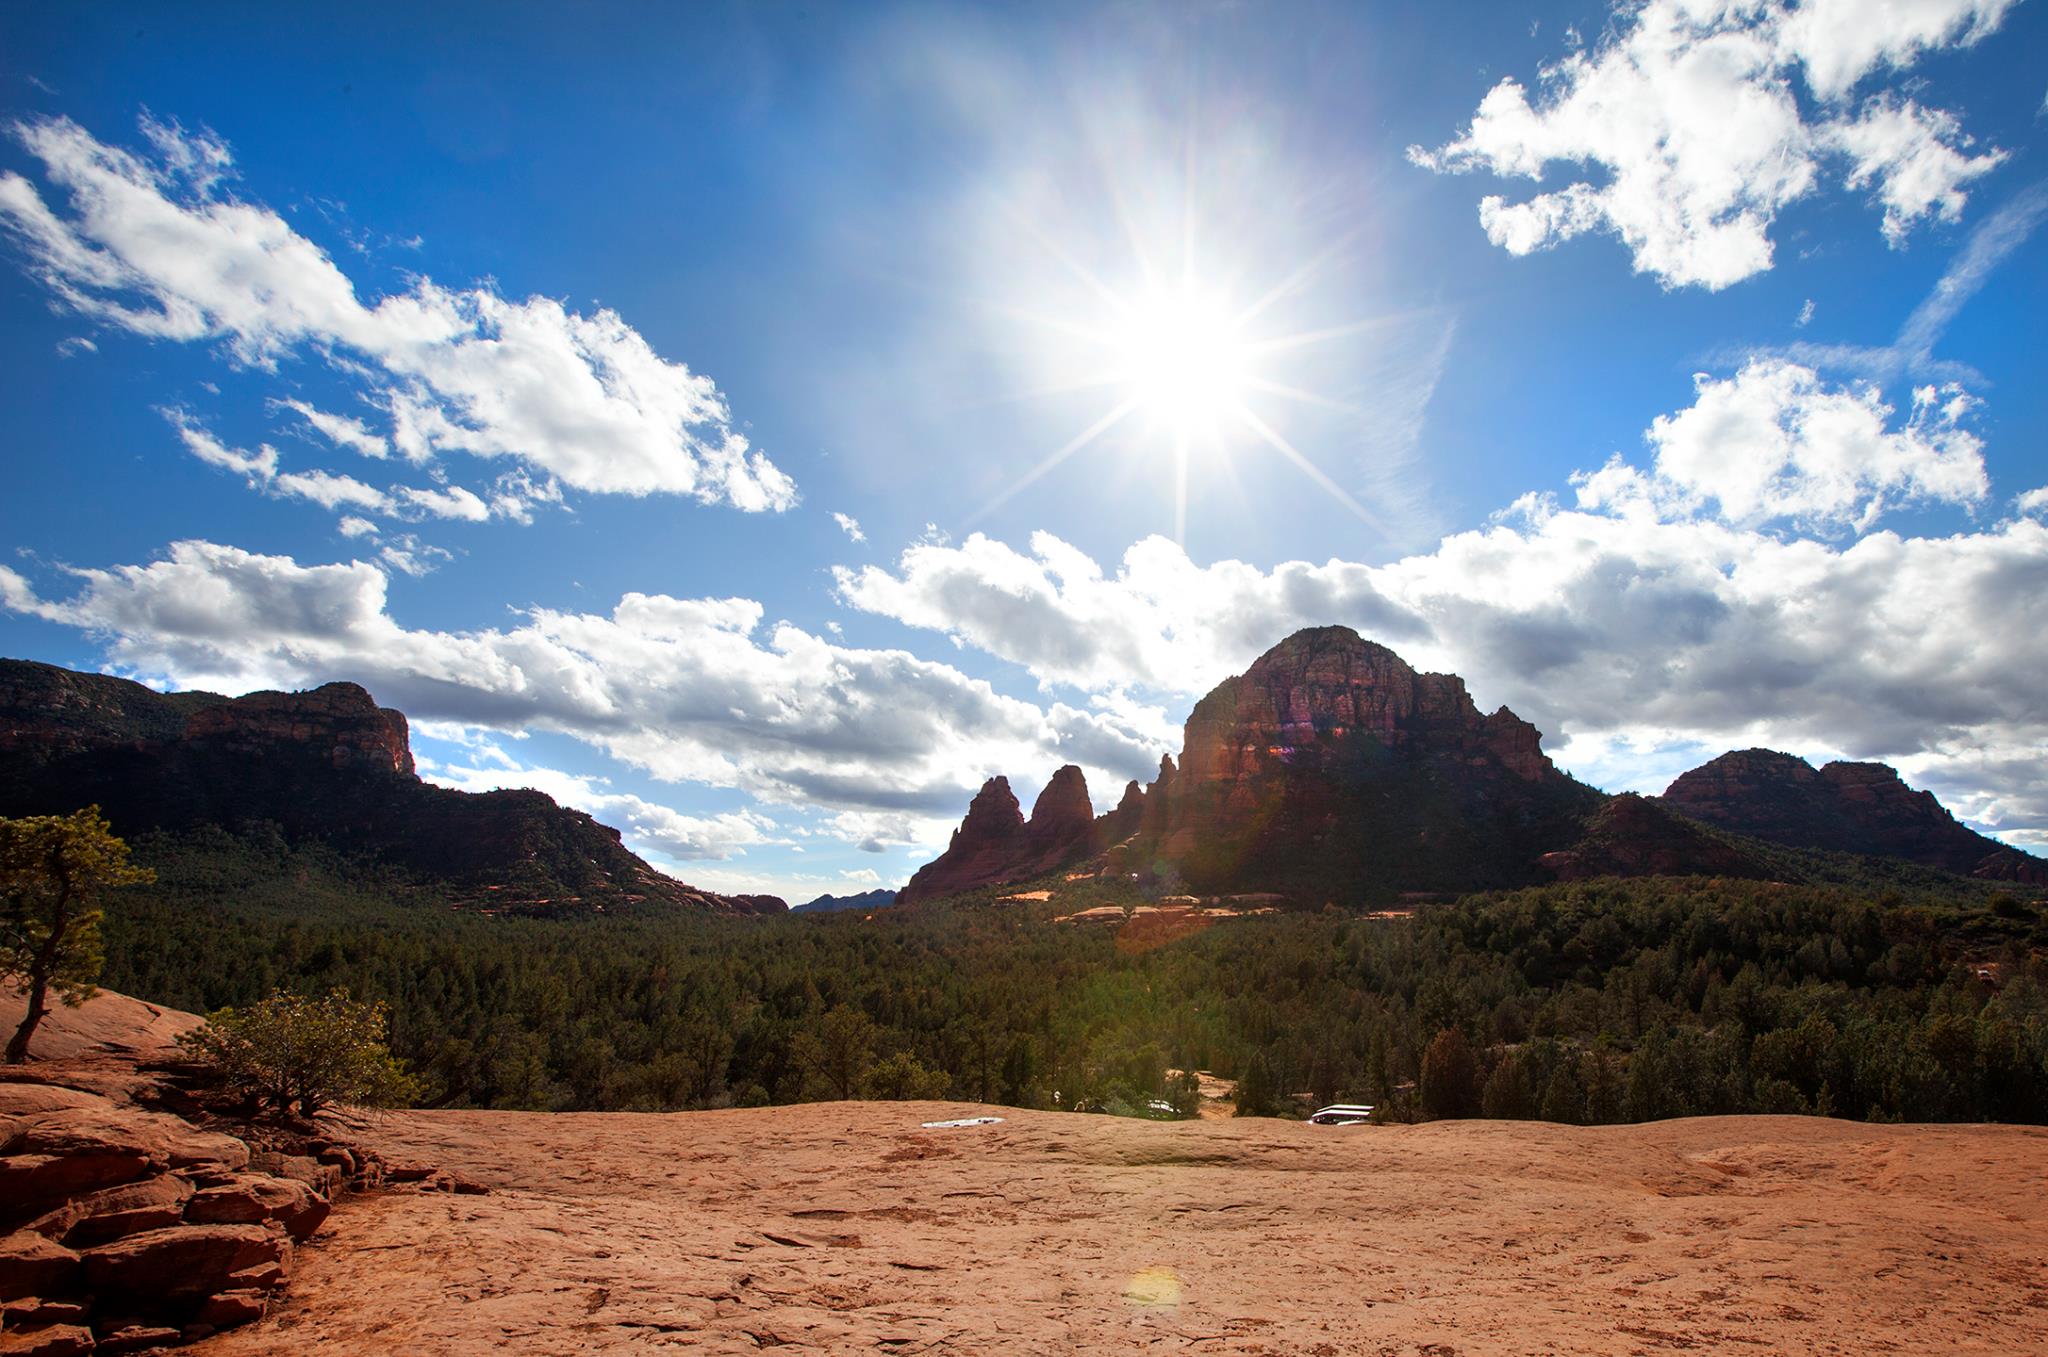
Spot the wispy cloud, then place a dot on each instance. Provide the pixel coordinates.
(1911, 353)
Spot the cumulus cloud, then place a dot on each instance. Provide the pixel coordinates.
(1688, 106)
(850, 525)
(688, 689)
(155, 245)
(1667, 609)
(647, 826)
(1775, 442)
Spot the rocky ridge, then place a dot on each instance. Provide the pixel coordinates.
(1842, 807)
(327, 765)
(1332, 769)
(833, 904)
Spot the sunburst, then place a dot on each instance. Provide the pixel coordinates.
(1178, 354)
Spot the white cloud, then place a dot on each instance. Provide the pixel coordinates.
(1689, 108)
(865, 876)
(328, 489)
(1774, 442)
(687, 689)
(343, 431)
(647, 826)
(1667, 611)
(850, 525)
(154, 246)
(1805, 317)
(447, 502)
(1914, 156)
(1839, 42)
(352, 526)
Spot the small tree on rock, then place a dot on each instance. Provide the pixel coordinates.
(900, 1078)
(294, 1052)
(53, 870)
(1450, 1077)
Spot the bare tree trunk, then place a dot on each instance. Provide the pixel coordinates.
(38, 1004)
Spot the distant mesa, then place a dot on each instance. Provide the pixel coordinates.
(1334, 771)
(1862, 808)
(328, 765)
(832, 904)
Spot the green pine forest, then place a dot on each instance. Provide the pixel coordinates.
(1856, 991)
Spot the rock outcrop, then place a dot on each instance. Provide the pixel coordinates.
(1333, 770)
(132, 1216)
(996, 844)
(129, 1223)
(1842, 807)
(1330, 770)
(327, 765)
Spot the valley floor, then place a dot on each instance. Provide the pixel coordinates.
(845, 1227)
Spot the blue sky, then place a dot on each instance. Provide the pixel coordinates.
(522, 363)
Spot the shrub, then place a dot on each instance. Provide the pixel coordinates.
(290, 1052)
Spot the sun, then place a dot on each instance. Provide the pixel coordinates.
(1182, 358)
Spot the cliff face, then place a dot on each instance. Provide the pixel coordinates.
(338, 724)
(329, 765)
(1844, 808)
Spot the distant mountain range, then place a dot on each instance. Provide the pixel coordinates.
(830, 904)
(1330, 771)
(1333, 770)
(328, 765)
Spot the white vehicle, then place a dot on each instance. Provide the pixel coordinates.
(1342, 1114)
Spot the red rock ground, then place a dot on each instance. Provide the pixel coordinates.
(847, 1228)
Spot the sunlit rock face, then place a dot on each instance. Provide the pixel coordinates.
(1842, 808)
(338, 723)
(327, 765)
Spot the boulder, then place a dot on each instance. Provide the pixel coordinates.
(123, 1132)
(135, 1338)
(115, 1212)
(253, 1198)
(324, 1179)
(188, 1261)
(32, 1184)
(28, 1100)
(31, 1265)
(230, 1308)
(53, 1340)
(30, 1312)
